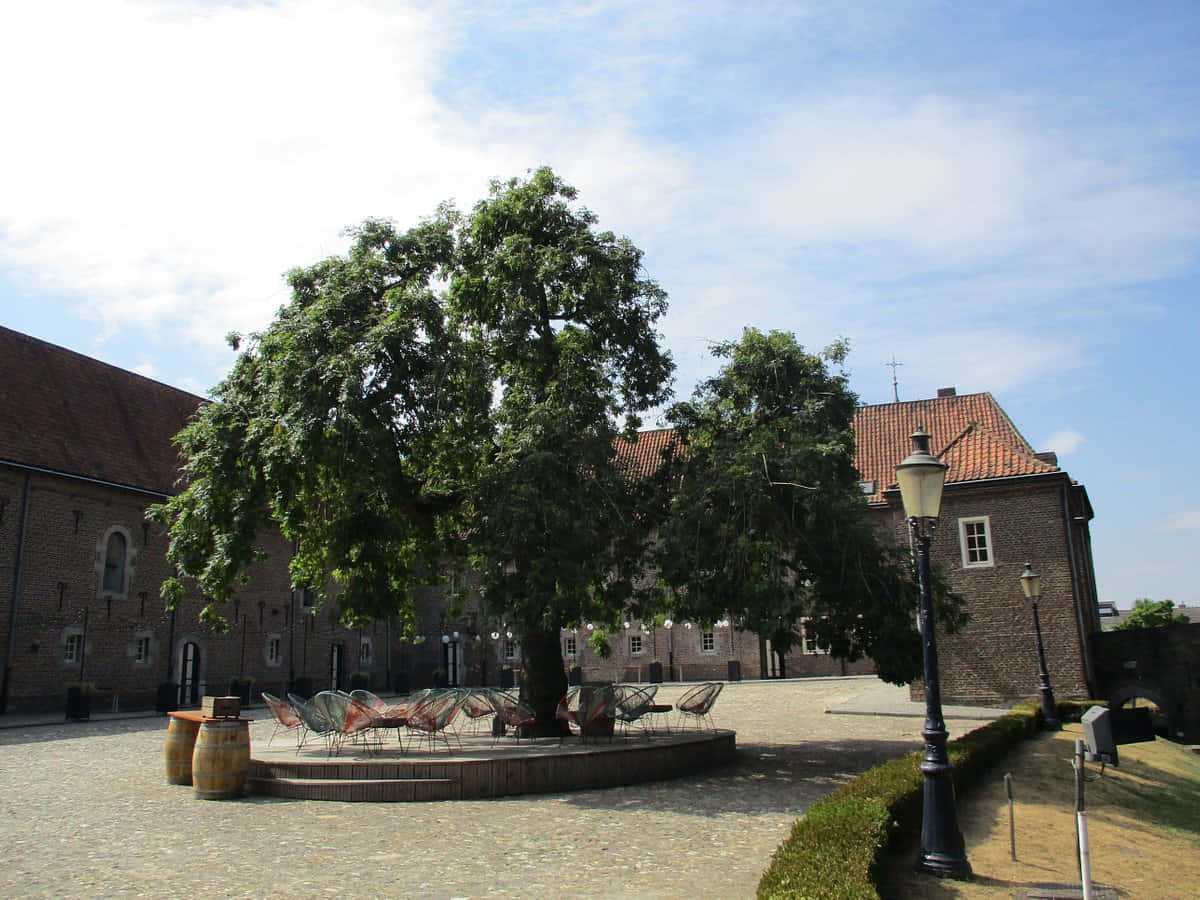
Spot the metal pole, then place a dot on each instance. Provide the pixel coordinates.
(1012, 821)
(1085, 859)
(942, 850)
(1049, 707)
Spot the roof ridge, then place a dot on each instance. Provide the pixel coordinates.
(92, 360)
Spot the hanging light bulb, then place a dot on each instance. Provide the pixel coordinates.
(668, 624)
(626, 624)
(591, 627)
(495, 635)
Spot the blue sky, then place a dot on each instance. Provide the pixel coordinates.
(1005, 196)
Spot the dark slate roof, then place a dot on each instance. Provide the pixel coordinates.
(971, 434)
(69, 413)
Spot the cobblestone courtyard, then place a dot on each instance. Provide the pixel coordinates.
(85, 812)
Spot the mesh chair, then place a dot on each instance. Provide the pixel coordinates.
(285, 717)
(634, 706)
(314, 722)
(697, 704)
(433, 715)
(512, 713)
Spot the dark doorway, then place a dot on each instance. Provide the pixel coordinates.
(335, 667)
(189, 674)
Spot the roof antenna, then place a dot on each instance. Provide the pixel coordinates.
(895, 390)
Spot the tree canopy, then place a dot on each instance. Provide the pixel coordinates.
(451, 397)
(767, 523)
(1147, 613)
(443, 395)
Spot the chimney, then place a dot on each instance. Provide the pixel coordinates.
(947, 392)
(1047, 456)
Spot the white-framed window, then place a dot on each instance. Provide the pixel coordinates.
(274, 650)
(365, 652)
(141, 649)
(708, 642)
(572, 647)
(635, 645)
(975, 539)
(510, 649)
(72, 648)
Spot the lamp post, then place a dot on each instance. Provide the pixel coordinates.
(921, 478)
(1031, 585)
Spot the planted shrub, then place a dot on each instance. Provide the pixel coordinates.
(833, 852)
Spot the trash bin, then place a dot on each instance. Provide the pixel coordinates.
(735, 670)
(506, 678)
(656, 673)
(166, 698)
(575, 676)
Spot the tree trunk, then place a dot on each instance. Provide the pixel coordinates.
(543, 678)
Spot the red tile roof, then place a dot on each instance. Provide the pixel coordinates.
(971, 433)
(62, 411)
(644, 455)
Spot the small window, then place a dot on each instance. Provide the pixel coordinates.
(808, 641)
(274, 651)
(976, 539)
(72, 648)
(141, 650)
(114, 564)
(635, 644)
(572, 647)
(510, 649)
(365, 652)
(708, 642)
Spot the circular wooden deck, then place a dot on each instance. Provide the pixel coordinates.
(478, 769)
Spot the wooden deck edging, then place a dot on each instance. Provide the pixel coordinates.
(480, 775)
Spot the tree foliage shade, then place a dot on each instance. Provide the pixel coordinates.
(768, 523)
(1147, 613)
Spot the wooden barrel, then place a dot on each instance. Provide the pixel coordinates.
(221, 761)
(178, 749)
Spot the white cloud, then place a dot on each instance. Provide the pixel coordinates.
(1064, 441)
(1187, 520)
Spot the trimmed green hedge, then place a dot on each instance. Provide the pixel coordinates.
(832, 852)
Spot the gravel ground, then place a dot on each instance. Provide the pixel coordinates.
(85, 812)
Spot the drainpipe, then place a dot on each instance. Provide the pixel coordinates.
(16, 593)
(1084, 637)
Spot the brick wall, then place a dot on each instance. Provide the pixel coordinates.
(61, 580)
(993, 660)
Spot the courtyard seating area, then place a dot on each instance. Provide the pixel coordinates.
(441, 718)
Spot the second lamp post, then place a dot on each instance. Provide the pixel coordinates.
(1031, 585)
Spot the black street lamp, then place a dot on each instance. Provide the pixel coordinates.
(921, 478)
(1031, 584)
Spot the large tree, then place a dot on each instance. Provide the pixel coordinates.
(566, 319)
(767, 523)
(438, 397)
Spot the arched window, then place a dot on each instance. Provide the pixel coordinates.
(114, 564)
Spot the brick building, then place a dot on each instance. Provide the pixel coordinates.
(85, 449)
(1004, 505)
